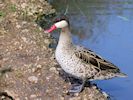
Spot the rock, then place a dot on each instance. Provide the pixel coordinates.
(33, 79)
(24, 39)
(25, 31)
(54, 70)
(23, 5)
(39, 66)
(47, 41)
(105, 94)
(24, 22)
(76, 94)
(18, 26)
(33, 70)
(75, 98)
(3, 97)
(62, 98)
(33, 96)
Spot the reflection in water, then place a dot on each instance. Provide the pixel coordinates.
(87, 16)
(105, 26)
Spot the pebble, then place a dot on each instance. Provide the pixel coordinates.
(76, 94)
(62, 98)
(3, 97)
(25, 30)
(33, 96)
(26, 98)
(18, 26)
(38, 99)
(33, 79)
(24, 39)
(47, 41)
(53, 69)
(75, 98)
(39, 66)
(33, 70)
(23, 5)
(24, 22)
(105, 94)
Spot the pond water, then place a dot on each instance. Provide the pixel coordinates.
(106, 27)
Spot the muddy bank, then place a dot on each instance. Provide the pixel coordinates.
(28, 70)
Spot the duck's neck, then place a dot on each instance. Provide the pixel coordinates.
(65, 38)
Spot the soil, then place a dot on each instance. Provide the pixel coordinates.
(28, 69)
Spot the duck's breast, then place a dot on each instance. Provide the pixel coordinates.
(70, 63)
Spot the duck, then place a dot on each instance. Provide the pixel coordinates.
(78, 61)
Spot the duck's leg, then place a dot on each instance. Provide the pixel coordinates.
(76, 88)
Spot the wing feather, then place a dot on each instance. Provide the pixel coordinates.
(89, 57)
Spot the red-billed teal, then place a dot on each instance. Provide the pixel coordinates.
(80, 62)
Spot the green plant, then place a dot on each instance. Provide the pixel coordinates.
(13, 7)
(2, 14)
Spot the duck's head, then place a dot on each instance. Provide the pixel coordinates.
(58, 23)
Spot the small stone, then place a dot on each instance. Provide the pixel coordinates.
(94, 87)
(25, 30)
(33, 79)
(47, 41)
(35, 25)
(53, 69)
(33, 70)
(65, 91)
(47, 78)
(105, 94)
(30, 13)
(38, 99)
(26, 98)
(75, 98)
(3, 97)
(38, 58)
(40, 10)
(24, 39)
(23, 5)
(40, 28)
(18, 26)
(7, 76)
(62, 98)
(39, 66)
(33, 96)
(76, 94)
(41, 0)
(39, 74)
(24, 22)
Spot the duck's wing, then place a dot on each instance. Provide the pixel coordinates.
(89, 57)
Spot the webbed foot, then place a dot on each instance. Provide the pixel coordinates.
(76, 88)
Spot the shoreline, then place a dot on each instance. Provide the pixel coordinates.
(28, 70)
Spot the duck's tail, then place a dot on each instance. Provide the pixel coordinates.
(121, 75)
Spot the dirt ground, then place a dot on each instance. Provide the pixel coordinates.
(28, 70)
